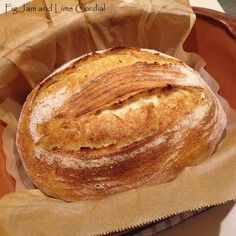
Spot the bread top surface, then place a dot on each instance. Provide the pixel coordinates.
(105, 107)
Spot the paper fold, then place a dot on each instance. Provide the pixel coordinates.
(36, 43)
(161, 25)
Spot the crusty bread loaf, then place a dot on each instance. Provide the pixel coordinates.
(116, 120)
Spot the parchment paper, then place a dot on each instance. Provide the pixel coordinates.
(33, 44)
(29, 54)
(210, 183)
(9, 113)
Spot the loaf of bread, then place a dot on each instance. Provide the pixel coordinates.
(115, 120)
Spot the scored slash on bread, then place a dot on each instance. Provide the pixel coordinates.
(116, 120)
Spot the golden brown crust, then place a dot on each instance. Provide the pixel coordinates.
(114, 121)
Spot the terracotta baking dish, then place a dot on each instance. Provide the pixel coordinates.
(214, 38)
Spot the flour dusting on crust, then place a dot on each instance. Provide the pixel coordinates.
(88, 141)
